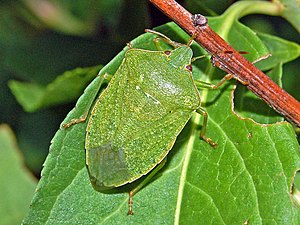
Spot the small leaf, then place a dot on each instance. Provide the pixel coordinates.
(65, 88)
(16, 184)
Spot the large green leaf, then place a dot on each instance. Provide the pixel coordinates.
(243, 179)
(16, 183)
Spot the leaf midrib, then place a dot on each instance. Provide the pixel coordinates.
(189, 149)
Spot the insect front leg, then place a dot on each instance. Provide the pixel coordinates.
(162, 37)
(103, 79)
(229, 76)
(202, 84)
(143, 183)
(203, 112)
(82, 119)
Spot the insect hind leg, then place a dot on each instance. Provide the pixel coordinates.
(203, 112)
(143, 183)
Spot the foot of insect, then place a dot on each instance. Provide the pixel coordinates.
(142, 184)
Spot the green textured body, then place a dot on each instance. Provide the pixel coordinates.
(136, 120)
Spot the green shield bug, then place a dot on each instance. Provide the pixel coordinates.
(137, 118)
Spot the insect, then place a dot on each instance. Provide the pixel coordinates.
(137, 118)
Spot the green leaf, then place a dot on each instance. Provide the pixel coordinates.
(249, 105)
(16, 184)
(65, 88)
(257, 45)
(249, 173)
(238, 35)
(291, 12)
(282, 51)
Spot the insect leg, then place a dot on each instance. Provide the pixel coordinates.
(190, 42)
(199, 57)
(104, 79)
(203, 112)
(143, 183)
(157, 44)
(76, 120)
(162, 37)
(223, 80)
(202, 84)
(229, 76)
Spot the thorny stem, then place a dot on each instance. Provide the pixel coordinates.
(234, 63)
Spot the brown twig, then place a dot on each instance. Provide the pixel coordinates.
(233, 63)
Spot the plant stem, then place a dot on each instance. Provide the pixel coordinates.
(231, 61)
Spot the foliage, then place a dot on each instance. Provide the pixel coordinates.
(17, 184)
(250, 172)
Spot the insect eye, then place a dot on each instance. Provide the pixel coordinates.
(168, 52)
(189, 67)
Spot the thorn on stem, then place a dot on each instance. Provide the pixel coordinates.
(199, 20)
